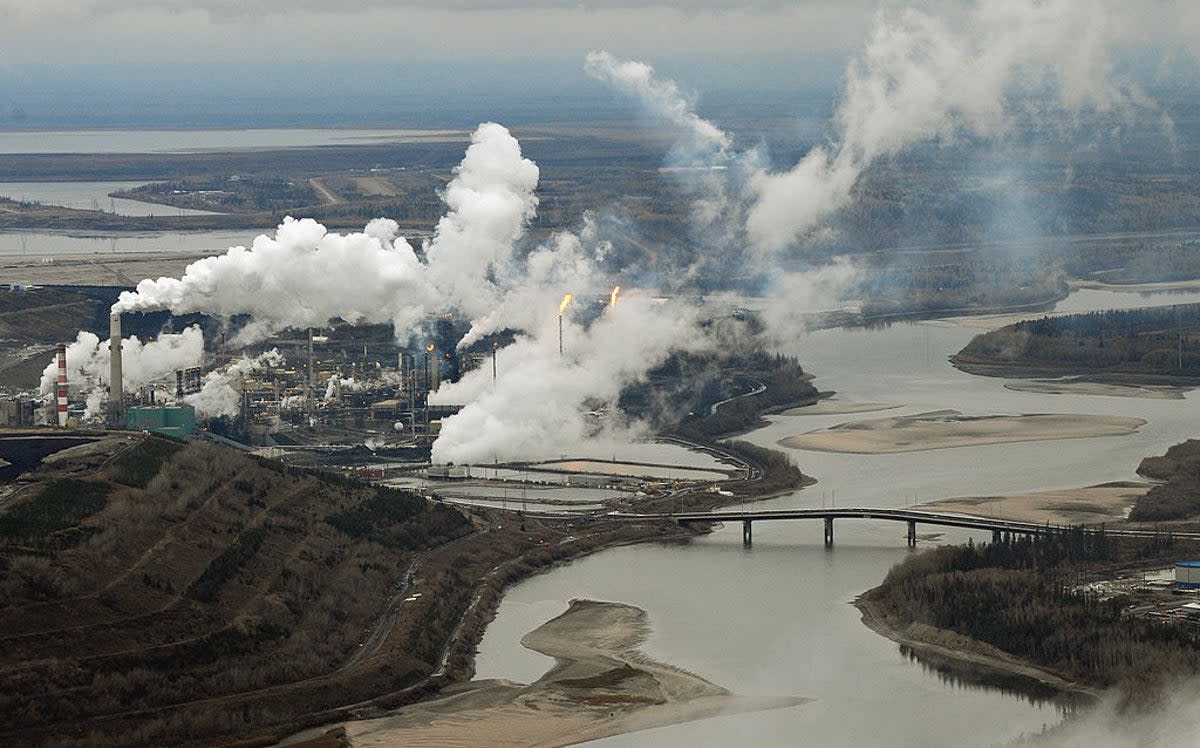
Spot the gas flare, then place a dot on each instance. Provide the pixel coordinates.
(565, 303)
(612, 298)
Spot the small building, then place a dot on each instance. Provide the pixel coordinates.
(169, 420)
(1187, 574)
(448, 472)
(17, 411)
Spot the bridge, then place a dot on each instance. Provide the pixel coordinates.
(912, 517)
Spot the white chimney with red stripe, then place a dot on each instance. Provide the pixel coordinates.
(61, 388)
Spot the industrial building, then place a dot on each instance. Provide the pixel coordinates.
(17, 412)
(1187, 575)
(346, 388)
(169, 420)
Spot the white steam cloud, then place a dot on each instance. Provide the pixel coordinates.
(919, 77)
(922, 77)
(536, 406)
(663, 99)
(306, 275)
(221, 393)
(491, 199)
(301, 277)
(88, 360)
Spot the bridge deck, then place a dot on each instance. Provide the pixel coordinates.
(943, 519)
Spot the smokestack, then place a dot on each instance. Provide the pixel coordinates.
(312, 379)
(60, 391)
(562, 309)
(435, 373)
(116, 399)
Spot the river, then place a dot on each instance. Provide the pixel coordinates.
(192, 141)
(91, 196)
(777, 619)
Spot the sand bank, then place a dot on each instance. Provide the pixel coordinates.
(837, 408)
(942, 429)
(601, 685)
(1072, 386)
(1104, 503)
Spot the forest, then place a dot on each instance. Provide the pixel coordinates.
(1160, 341)
(1177, 497)
(1024, 596)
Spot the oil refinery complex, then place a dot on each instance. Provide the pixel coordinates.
(346, 399)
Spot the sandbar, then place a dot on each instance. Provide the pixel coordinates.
(600, 685)
(1108, 502)
(944, 429)
(1070, 386)
(837, 408)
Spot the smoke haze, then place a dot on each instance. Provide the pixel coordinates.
(920, 77)
(88, 359)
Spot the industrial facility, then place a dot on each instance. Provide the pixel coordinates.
(325, 390)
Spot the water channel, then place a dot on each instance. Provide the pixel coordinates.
(776, 619)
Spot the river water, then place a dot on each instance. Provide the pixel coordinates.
(190, 141)
(91, 196)
(777, 619)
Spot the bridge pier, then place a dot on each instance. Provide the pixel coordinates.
(747, 533)
(995, 536)
(912, 533)
(829, 532)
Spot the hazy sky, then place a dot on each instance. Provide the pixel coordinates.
(91, 30)
(57, 54)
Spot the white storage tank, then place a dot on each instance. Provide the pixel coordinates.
(1187, 574)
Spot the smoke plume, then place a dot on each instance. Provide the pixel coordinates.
(305, 275)
(141, 363)
(919, 77)
(535, 408)
(301, 277)
(491, 199)
(221, 393)
(923, 77)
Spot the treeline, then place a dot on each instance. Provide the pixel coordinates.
(1021, 596)
(1178, 497)
(227, 194)
(1136, 261)
(967, 283)
(1161, 341)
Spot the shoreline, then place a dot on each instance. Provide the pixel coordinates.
(968, 657)
(600, 685)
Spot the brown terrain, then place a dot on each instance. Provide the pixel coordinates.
(160, 592)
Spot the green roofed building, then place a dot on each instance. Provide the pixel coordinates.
(171, 420)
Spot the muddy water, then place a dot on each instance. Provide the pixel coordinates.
(776, 619)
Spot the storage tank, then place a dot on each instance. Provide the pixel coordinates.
(1187, 574)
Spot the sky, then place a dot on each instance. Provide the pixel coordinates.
(97, 57)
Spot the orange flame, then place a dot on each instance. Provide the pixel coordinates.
(566, 302)
(612, 299)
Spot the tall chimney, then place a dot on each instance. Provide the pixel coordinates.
(60, 391)
(116, 397)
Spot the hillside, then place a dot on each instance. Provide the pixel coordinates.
(154, 591)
